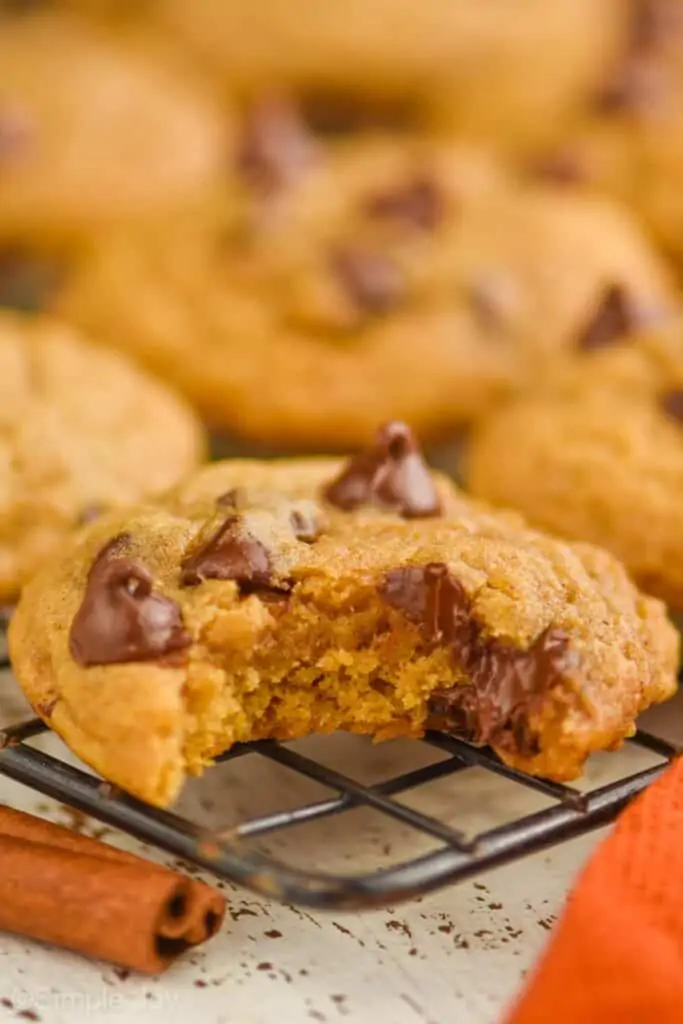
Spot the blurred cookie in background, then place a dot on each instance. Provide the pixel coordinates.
(81, 430)
(595, 452)
(94, 131)
(507, 72)
(337, 285)
(629, 139)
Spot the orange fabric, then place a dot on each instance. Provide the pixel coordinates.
(617, 954)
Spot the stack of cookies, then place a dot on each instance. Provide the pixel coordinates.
(275, 225)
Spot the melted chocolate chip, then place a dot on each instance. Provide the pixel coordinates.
(614, 318)
(672, 404)
(27, 281)
(122, 618)
(419, 204)
(230, 555)
(391, 474)
(305, 527)
(371, 280)
(276, 147)
(504, 682)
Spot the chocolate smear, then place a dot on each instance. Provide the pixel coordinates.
(122, 618)
(391, 473)
(614, 318)
(370, 279)
(230, 554)
(276, 146)
(503, 684)
(418, 204)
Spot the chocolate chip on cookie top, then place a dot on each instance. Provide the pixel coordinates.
(640, 81)
(672, 404)
(391, 473)
(502, 680)
(276, 145)
(122, 618)
(614, 318)
(229, 554)
(419, 203)
(28, 280)
(371, 280)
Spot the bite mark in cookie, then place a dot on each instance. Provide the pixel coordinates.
(503, 682)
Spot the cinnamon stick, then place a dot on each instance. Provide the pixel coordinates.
(73, 891)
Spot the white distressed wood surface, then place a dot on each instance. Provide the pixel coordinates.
(457, 955)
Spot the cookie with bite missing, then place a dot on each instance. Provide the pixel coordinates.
(95, 131)
(357, 282)
(595, 452)
(277, 599)
(81, 429)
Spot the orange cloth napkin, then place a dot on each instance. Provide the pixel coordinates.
(617, 954)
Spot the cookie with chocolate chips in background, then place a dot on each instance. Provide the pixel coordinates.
(365, 280)
(424, 65)
(628, 140)
(595, 452)
(82, 430)
(277, 599)
(95, 131)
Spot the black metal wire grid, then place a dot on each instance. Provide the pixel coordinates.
(232, 854)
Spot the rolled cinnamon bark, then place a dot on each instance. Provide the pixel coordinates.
(76, 892)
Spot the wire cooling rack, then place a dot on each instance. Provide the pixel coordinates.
(233, 854)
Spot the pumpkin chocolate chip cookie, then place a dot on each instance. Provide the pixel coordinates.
(507, 72)
(371, 279)
(93, 131)
(596, 451)
(629, 138)
(262, 600)
(81, 429)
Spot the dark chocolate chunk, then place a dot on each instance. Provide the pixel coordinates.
(503, 682)
(27, 281)
(391, 473)
(372, 280)
(672, 404)
(230, 555)
(122, 618)
(305, 527)
(276, 146)
(419, 204)
(614, 318)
